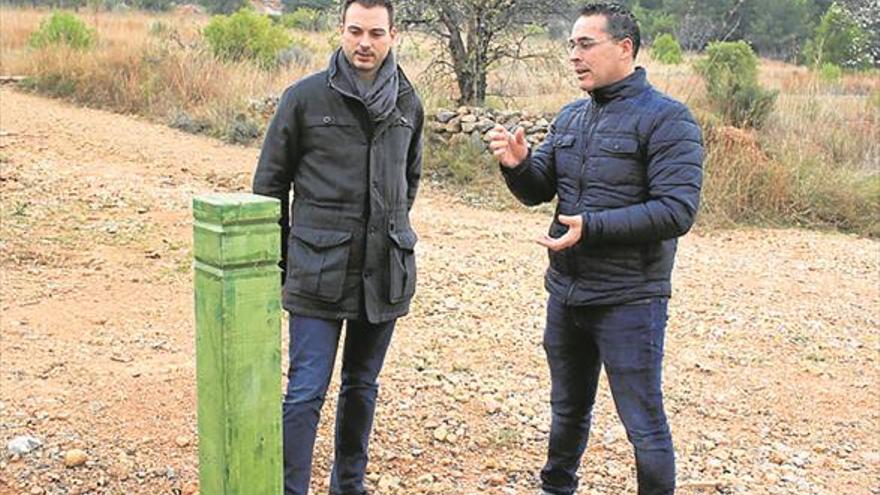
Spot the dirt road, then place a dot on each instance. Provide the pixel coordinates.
(772, 348)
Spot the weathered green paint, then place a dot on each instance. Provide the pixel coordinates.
(238, 343)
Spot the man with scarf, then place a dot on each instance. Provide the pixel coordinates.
(626, 168)
(347, 140)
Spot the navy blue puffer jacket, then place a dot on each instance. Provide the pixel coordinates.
(629, 160)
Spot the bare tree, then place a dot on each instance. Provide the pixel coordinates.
(479, 33)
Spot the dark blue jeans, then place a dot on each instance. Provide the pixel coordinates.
(313, 344)
(628, 341)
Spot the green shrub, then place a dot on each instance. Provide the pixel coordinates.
(246, 35)
(830, 73)
(666, 50)
(838, 40)
(731, 74)
(63, 28)
(749, 106)
(728, 64)
(304, 18)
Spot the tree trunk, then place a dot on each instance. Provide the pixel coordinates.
(470, 62)
(461, 60)
(480, 84)
(466, 88)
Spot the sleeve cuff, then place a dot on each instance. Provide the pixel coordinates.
(585, 228)
(519, 169)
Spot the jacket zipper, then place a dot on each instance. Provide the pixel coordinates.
(591, 129)
(596, 114)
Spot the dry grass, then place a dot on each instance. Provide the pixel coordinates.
(150, 64)
(815, 163)
(743, 184)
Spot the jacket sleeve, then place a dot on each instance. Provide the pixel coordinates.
(278, 161)
(533, 181)
(414, 158)
(675, 175)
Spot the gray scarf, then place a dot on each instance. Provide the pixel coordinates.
(380, 96)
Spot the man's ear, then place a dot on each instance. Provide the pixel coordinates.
(627, 47)
(394, 34)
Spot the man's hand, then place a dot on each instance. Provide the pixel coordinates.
(575, 230)
(510, 149)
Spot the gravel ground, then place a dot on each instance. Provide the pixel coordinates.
(771, 371)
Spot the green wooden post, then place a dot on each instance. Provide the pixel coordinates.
(238, 343)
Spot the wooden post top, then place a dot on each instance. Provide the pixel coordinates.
(235, 208)
(235, 230)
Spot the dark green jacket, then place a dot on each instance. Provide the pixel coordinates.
(347, 241)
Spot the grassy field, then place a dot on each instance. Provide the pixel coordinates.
(816, 163)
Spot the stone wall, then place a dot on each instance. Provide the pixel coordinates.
(456, 126)
(474, 123)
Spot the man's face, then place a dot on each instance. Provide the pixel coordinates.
(367, 37)
(598, 60)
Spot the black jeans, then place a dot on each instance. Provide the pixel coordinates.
(628, 341)
(313, 344)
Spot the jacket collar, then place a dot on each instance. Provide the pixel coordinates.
(404, 87)
(627, 87)
(333, 80)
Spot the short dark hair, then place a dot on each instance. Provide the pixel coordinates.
(622, 23)
(389, 6)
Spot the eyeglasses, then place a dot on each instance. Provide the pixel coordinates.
(585, 44)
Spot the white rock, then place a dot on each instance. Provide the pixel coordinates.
(23, 445)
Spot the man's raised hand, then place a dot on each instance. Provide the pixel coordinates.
(509, 149)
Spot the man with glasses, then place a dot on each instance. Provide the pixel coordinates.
(626, 167)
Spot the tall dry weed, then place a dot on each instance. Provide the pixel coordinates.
(742, 184)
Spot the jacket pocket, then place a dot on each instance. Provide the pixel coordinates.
(402, 269)
(330, 133)
(619, 162)
(319, 261)
(564, 150)
(619, 146)
(563, 141)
